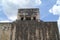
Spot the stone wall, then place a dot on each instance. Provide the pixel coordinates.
(34, 30)
(29, 30)
(5, 31)
(52, 32)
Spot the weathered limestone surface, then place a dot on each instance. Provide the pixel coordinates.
(29, 30)
(34, 30)
(28, 27)
(5, 31)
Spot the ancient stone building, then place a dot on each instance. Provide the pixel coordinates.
(28, 26)
(5, 31)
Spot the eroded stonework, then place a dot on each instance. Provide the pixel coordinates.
(34, 30)
(29, 27)
(5, 31)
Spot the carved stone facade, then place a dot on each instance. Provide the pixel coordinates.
(29, 27)
(5, 31)
(34, 30)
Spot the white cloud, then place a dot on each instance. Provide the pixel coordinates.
(26, 2)
(11, 7)
(5, 21)
(58, 2)
(56, 11)
(56, 8)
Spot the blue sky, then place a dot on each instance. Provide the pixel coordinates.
(44, 7)
(49, 9)
(44, 10)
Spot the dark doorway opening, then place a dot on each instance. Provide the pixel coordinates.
(34, 18)
(22, 18)
(28, 18)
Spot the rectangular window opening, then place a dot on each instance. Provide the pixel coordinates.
(34, 18)
(28, 18)
(22, 18)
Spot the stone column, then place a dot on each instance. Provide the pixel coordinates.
(14, 31)
(37, 34)
(28, 34)
(41, 34)
(47, 34)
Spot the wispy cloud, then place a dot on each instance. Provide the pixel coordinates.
(56, 11)
(5, 21)
(56, 8)
(10, 7)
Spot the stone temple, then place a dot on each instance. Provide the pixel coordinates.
(28, 26)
